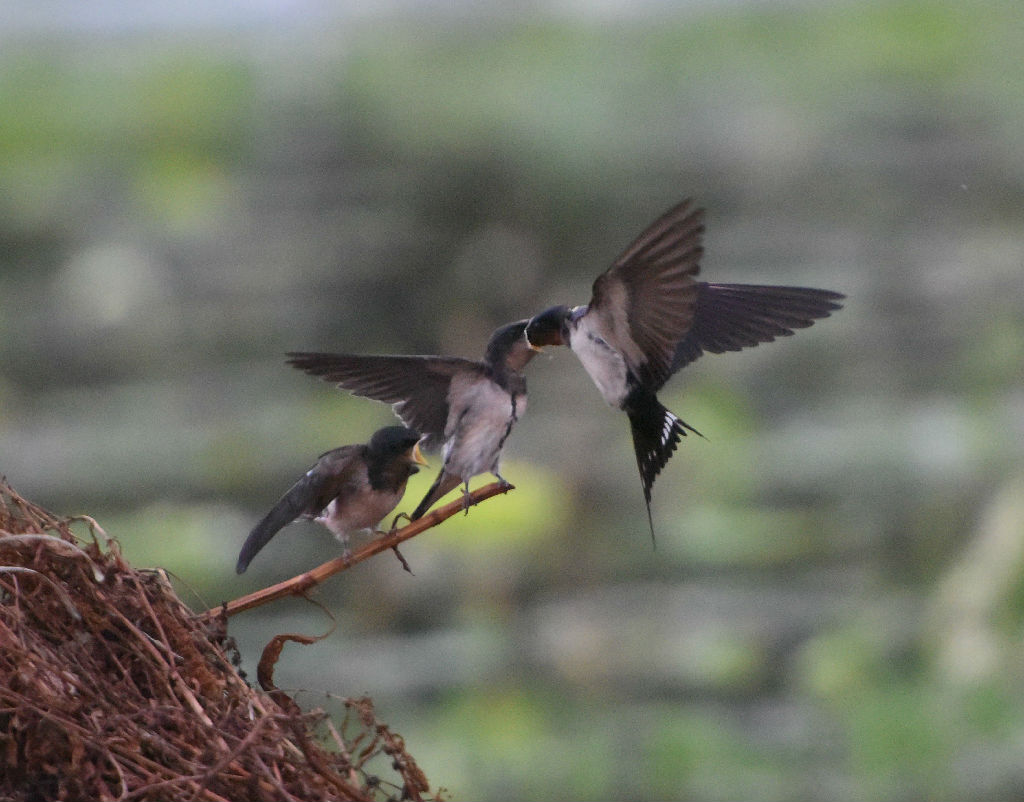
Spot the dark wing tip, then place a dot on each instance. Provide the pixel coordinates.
(243, 563)
(312, 362)
(416, 387)
(674, 236)
(289, 507)
(257, 540)
(730, 317)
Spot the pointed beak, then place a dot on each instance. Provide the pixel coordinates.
(417, 456)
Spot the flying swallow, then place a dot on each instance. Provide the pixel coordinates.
(468, 407)
(648, 317)
(350, 488)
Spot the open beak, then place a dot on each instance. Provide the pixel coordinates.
(546, 328)
(417, 456)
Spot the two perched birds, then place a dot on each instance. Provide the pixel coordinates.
(647, 318)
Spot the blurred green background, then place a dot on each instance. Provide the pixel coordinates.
(835, 606)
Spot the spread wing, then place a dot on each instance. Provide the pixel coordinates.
(645, 301)
(415, 386)
(729, 317)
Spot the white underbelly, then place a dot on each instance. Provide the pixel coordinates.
(606, 366)
(362, 509)
(478, 429)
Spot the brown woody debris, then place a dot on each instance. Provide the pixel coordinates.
(112, 689)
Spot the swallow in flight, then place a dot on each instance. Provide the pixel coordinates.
(648, 317)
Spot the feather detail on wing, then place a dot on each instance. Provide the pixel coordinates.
(730, 317)
(646, 300)
(415, 386)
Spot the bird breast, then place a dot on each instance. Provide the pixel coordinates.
(605, 365)
(357, 507)
(481, 416)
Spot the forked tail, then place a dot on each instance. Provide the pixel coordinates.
(656, 433)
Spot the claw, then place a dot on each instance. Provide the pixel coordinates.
(399, 517)
(401, 559)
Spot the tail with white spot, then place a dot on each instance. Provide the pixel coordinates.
(656, 433)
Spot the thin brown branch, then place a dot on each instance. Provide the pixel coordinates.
(298, 585)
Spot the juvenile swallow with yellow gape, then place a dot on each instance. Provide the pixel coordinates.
(648, 317)
(349, 489)
(468, 407)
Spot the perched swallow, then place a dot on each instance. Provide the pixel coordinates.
(350, 488)
(469, 407)
(648, 317)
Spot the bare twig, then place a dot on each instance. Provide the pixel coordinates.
(298, 585)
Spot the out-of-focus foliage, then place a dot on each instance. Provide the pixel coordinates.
(835, 605)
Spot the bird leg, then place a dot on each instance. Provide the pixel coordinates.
(467, 499)
(399, 517)
(298, 585)
(346, 553)
(339, 532)
(401, 559)
(398, 554)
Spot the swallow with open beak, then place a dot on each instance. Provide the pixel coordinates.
(648, 317)
(349, 489)
(468, 407)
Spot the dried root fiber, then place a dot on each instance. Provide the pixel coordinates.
(112, 689)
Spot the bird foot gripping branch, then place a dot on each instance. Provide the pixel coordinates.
(298, 585)
(648, 317)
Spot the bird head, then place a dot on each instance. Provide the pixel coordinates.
(549, 327)
(395, 441)
(508, 348)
